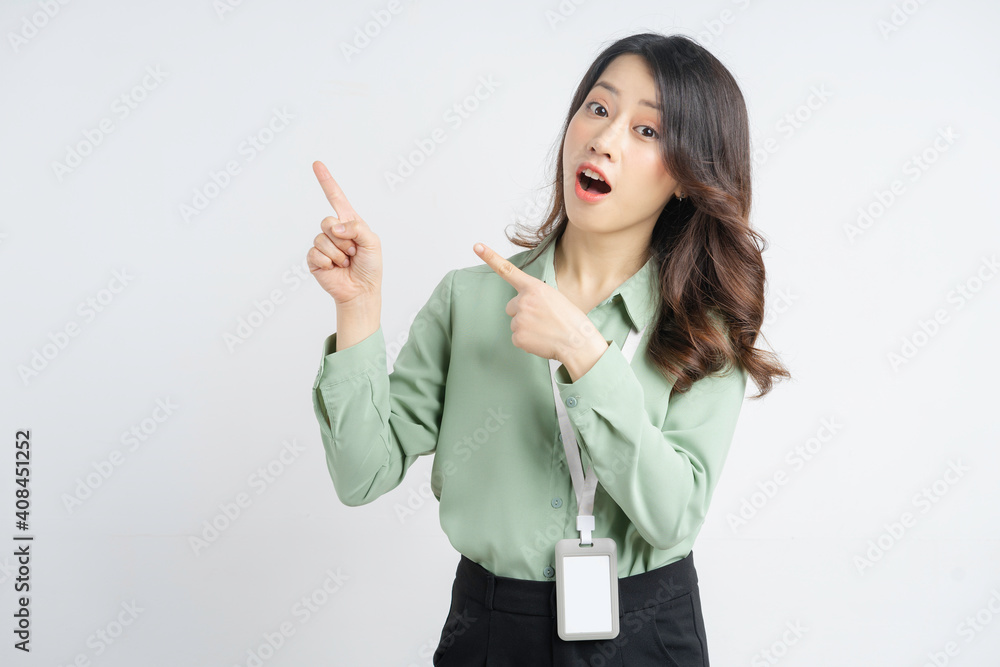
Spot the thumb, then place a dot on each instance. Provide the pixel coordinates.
(356, 230)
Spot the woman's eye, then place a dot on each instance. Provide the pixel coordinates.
(655, 134)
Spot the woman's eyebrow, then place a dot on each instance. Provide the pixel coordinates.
(614, 91)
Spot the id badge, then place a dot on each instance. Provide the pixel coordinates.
(587, 589)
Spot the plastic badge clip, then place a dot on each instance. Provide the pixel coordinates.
(585, 524)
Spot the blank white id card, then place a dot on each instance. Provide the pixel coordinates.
(587, 589)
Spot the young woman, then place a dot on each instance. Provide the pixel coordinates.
(613, 353)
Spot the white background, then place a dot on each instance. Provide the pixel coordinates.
(839, 308)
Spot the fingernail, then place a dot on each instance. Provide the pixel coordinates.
(351, 250)
(338, 228)
(478, 247)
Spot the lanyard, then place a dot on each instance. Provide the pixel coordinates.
(584, 487)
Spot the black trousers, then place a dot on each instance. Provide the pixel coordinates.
(498, 621)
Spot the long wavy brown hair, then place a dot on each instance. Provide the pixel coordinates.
(711, 271)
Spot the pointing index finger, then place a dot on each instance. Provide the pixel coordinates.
(333, 192)
(513, 275)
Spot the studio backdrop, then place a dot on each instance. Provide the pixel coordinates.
(164, 487)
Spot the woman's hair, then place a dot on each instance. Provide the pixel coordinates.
(710, 269)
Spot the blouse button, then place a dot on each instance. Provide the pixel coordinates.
(571, 401)
(548, 572)
(560, 436)
(557, 502)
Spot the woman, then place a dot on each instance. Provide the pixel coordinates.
(648, 239)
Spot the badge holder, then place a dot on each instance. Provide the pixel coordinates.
(587, 587)
(586, 568)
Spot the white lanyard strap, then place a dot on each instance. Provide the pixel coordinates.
(584, 487)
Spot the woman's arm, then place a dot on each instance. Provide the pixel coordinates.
(663, 479)
(374, 425)
(357, 321)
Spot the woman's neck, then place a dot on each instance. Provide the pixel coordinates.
(596, 264)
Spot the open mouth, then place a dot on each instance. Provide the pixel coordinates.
(594, 185)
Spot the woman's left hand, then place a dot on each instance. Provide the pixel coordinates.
(544, 321)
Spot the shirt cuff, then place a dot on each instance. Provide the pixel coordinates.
(590, 388)
(358, 359)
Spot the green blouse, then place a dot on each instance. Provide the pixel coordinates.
(461, 390)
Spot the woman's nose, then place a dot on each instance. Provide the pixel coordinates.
(607, 141)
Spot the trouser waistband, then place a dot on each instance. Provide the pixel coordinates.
(538, 598)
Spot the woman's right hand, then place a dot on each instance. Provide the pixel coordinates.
(347, 264)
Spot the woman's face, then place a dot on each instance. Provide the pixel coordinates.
(617, 132)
